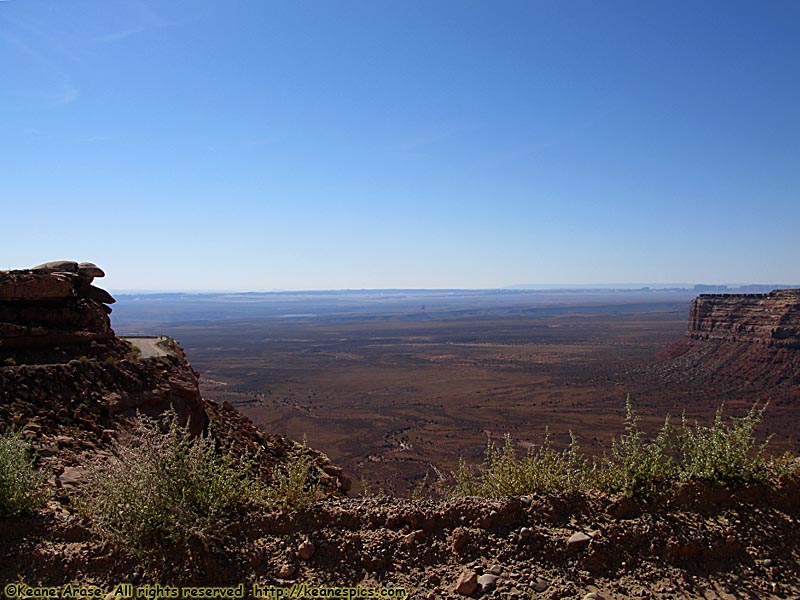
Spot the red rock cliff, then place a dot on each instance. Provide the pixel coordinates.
(771, 319)
(740, 344)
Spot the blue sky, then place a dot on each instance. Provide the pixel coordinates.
(254, 145)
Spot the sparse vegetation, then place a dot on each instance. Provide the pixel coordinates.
(22, 485)
(636, 467)
(134, 354)
(167, 489)
(294, 484)
(724, 452)
(505, 474)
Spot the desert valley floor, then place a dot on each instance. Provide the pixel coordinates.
(395, 386)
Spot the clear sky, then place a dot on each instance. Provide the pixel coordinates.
(256, 144)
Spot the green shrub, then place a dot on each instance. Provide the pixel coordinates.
(503, 473)
(22, 485)
(164, 490)
(785, 466)
(294, 484)
(636, 468)
(723, 452)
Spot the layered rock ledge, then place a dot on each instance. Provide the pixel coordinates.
(772, 319)
(739, 345)
(52, 304)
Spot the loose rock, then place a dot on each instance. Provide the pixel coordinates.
(467, 583)
(286, 571)
(578, 540)
(487, 581)
(305, 550)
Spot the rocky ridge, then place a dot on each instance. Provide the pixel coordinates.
(72, 386)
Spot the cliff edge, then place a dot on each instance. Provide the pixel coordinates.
(747, 342)
(72, 386)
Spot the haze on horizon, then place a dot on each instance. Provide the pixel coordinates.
(363, 145)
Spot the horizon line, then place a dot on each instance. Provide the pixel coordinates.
(509, 288)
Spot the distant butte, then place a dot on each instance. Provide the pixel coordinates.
(771, 319)
(741, 339)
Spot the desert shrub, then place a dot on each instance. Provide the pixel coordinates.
(727, 451)
(784, 467)
(724, 451)
(636, 467)
(164, 489)
(22, 485)
(503, 473)
(294, 484)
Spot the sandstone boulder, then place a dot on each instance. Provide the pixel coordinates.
(96, 293)
(87, 269)
(57, 266)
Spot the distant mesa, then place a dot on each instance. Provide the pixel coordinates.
(771, 319)
(740, 340)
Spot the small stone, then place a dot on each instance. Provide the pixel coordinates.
(467, 583)
(496, 569)
(592, 596)
(540, 584)
(578, 540)
(459, 539)
(767, 562)
(412, 538)
(286, 571)
(487, 581)
(71, 476)
(305, 550)
(46, 451)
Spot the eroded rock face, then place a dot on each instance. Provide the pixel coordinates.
(740, 343)
(53, 304)
(772, 319)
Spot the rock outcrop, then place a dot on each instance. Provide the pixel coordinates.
(71, 385)
(53, 304)
(770, 319)
(742, 344)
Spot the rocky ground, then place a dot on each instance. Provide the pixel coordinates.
(705, 542)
